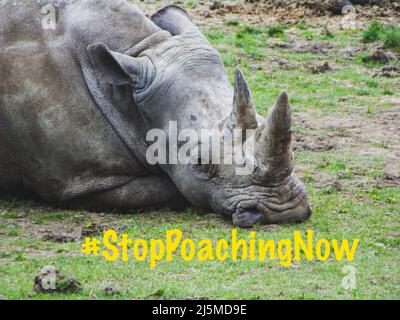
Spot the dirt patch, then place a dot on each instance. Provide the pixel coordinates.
(352, 50)
(291, 11)
(61, 237)
(300, 46)
(388, 72)
(27, 218)
(380, 56)
(282, 63)
(311, 143)
(53, 231)
(358, 135)
(208, 14)
(314, 47)
(392, 172)
(94, 229)
(307, 8)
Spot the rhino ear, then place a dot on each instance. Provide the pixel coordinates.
(117, 68)
(175, 20)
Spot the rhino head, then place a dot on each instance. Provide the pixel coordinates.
(180, 77)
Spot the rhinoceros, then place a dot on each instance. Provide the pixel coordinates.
(77, 100)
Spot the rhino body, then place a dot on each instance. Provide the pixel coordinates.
(54, 140)
(77, 101)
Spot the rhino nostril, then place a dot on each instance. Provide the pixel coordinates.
(247, 219)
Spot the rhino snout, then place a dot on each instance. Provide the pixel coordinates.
(249, 218)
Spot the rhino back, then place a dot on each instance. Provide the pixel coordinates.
(51, 131)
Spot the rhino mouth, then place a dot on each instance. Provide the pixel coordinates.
(247, 219)
(250, 218)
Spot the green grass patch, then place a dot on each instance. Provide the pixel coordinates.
(388, 34)
(276, 30)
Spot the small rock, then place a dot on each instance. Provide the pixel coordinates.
(51, 281)
(111, 291)
(337, 185)
(283, 64)
(282, 45)
(206, 14)
(379, 56)
(94, 229)
(321, 68)
(216, 5)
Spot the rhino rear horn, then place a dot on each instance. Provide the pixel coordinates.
(175, 20)
(243, 114)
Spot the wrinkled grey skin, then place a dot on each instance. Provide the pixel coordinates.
(76, 103)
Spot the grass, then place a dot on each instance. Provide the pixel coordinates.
(389, 35)
(369, 214)
(347, 190)
(190, 3)
(372, 32)
(276, 30)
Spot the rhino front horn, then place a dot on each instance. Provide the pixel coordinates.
(243, 114)
(273, 148)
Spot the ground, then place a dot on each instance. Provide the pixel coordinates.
(347, 151)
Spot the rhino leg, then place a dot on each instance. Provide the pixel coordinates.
(149, 192)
